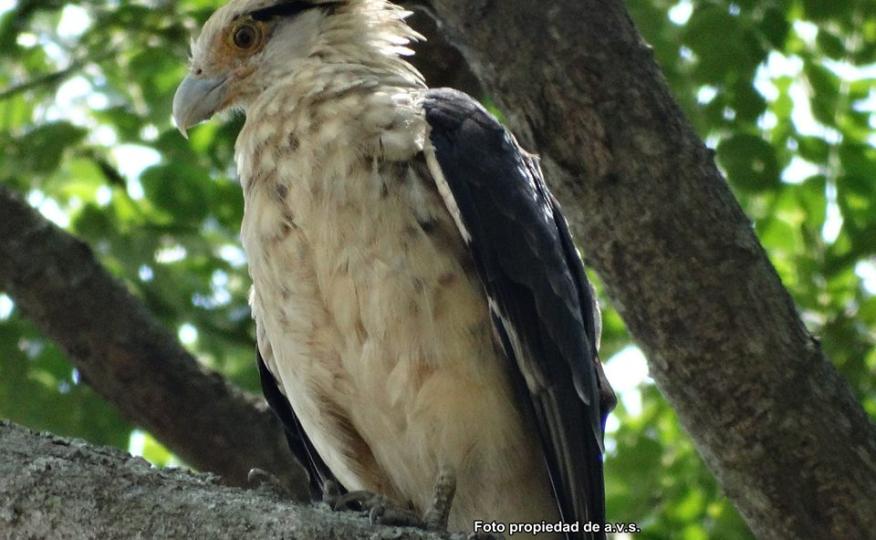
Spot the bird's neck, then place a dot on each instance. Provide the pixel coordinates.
(320, 83)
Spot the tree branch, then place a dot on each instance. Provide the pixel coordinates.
(128, 358)
(50, 79)
(771, 416)
(61, 488)
(55, 78)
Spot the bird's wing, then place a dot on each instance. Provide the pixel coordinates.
(543, 309)
(298, 440)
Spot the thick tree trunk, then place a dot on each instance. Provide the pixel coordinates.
(771, 416)
(128, 358)
(61, 488)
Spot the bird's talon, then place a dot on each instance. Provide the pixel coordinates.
(355, 500)
(375, 514)
(380, 510)
(262, 479)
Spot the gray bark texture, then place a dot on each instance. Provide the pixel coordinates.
(52, 487)
(774, 420)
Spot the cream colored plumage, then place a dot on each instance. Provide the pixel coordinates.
(370, 313)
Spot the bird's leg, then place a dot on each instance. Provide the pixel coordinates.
(442, 500)
(262, 479)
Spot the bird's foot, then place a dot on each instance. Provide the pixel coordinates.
(379, 508)
(261, 479)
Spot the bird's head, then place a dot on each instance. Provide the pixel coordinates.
(248, 45)
(239, 50)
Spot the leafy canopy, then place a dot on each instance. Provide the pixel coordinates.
(784, 90)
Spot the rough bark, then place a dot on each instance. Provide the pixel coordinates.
(440, 62)
(771, 416)
(131, 360)
(62, 488)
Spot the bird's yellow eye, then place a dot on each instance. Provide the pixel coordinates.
(246, 36)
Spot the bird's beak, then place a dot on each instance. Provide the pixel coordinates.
(196, 100)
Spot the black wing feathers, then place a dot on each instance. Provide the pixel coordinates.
(543, 306)
(607, 398)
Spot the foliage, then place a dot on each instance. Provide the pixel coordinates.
(780, 88)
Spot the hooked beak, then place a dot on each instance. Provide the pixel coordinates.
(197, 100)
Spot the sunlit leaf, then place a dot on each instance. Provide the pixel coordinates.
(750, 162)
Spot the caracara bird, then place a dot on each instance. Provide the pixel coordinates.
(423, 316)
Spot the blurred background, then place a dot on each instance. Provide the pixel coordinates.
(783, 90)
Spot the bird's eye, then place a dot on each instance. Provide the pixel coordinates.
(246, 36)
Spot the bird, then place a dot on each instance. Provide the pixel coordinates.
(425, 327)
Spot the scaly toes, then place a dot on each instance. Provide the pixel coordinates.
(379, 508)
(392, 514)
(382, 510)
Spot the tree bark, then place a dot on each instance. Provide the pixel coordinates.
(440, 62)
(52, 487)
(771, 416)
(129, 359)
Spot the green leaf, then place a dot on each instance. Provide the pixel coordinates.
(725, 47)
(775, 27)
(40, 150)
(813, 149)
(747, 102)
(179, 189)
(750, 162)
(825, 87)
(831, 45)
(818, 10)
